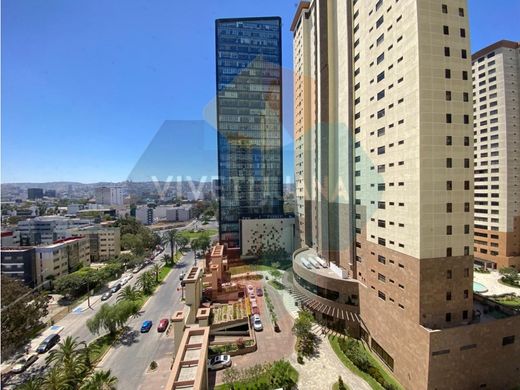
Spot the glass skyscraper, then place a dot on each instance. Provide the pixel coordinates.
(249, 122)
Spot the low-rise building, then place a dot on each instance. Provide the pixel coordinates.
(105, 242)
(19, 263)
(61, 257)
(179, 214)
(47, 229)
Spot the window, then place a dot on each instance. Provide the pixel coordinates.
(464, 53)
(381, 295)
(464, 75)
(448, 95)
(379, 21)
(381, 150)
(465, 97)
(444, 9)
(448, 254)
(380, 58)
(466, 119)
(508, 340)
(449, 163)
(381, 277)
(446, 51)
(380, 39)
(448, 295)
(465, 317)
(449, 230)
(466, 163)
(448, 274)
(448, 118)
(466, 207)
(381, 94)
(449, 185)
(466, 184)
(380, 76)
(381, 259)
(446, 30)
(466, 294)
(461, 11)
(447, 73)
(381, 132)
(463, 33)
(448, 140)
(449, 207)
(448, 317)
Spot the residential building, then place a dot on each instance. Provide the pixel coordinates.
(50, 193)
(19, 263)
(34, 193)
(105, 242)
(61, 257)
(145, 214)
(109, 195)
(47, 229)
(179, 214)
(249, 121)
(496, 107)
(10, 238)
(383, 138)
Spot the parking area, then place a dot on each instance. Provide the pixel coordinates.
(271, 345)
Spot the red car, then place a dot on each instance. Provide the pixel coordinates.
(163, 325)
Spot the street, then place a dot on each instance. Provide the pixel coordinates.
(130, 358)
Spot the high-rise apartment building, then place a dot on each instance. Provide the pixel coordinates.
(109, 195)
(249, 121)
(384, 176)
(496, 109)
(34, 193)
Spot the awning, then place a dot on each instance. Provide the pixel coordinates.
(321, 307)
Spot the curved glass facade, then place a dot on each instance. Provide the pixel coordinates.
(249, 121)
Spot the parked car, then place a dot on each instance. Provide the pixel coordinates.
(163, 325)
(115, 288)
(136, 270)
(124, 281)
(147, 325)
(259, 292)
(106, 295)
(23, 363)
(48, 343)
(219, 361)
(257, 323)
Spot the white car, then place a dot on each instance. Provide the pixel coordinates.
(257, 323)
(219, 361)
(23, 363)
(124, 281)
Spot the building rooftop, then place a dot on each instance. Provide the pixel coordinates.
(310, 260)
(494, 46)
(301, 7)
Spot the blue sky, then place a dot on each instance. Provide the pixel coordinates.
(87, 84)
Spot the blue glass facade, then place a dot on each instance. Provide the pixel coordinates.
(249, 122)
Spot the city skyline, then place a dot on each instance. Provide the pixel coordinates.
(54, 103)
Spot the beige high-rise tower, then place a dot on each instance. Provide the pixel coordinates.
(496, 108)
(384, 178)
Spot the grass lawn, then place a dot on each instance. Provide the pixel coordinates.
(165, 270)
(102, 345)
(509, 301)
(346, 361)
(276, 284)
(192, 235)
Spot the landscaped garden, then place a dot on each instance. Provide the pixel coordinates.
(510, 277)
(510, 300)
(356, 358)
(279, 374)
(230, 347)
(229, 312)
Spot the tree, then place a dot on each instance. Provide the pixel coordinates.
(129, 293)
(73, 359)
(55, 380)
(112, 317)
(509, 275)
(302, 330)
(31, 384)
(100, 380)
(182, 241)
(171, 237)
(133, 242)
(22, 310)
(146, 282)
(275, 274)
(156, 270)
(168, 259)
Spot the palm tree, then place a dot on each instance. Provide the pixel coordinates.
(171, 237)
(146, 282)
(130, 293)
(55, 380)
(100, 380)
(156, 270)
(71, 358)
(31, 384)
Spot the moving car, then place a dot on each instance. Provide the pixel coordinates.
(115, 288)
(257, 323)
(219, 361)
(106, 295)
(147, 325)
(182, 275)
(259, 292)
(23, 363)
(163, 325)
(48, 343)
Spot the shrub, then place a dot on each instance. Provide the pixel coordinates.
(153, 365)
(240, 343)
(300, 359)
(341, 385)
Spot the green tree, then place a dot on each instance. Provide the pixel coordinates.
(146, 282)
(31, 384)
(129, 293)
(171, 237)
(100, 380)
(156, 270)
(73, 359)
(168, 259)
(509, 275)
(302, 330)
(55, 380)
(182, 241)
(112, 317)
(275, 274)
(133, 242)
(21, 312)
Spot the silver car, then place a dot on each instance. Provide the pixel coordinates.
(218, 362)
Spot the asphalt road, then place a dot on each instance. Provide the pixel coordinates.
(130, 358)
